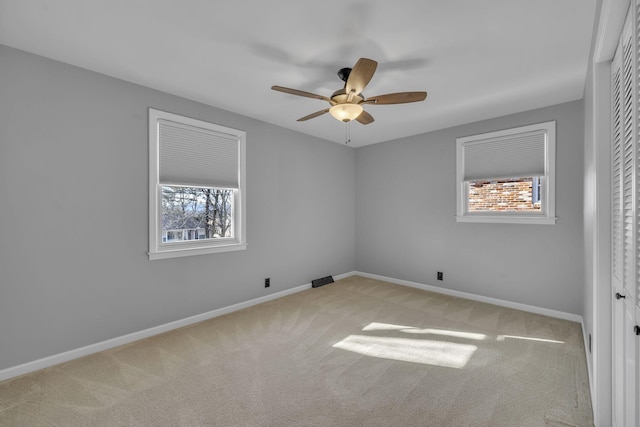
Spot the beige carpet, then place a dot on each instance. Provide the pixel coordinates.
(358, 352)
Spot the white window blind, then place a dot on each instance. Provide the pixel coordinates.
(191, 155)
(512, 156)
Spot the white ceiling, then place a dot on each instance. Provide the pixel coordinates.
(476, 59)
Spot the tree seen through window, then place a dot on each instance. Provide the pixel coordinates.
(191, 213)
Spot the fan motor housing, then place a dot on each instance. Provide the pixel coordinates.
(340, 97)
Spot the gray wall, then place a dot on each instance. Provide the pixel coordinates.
(405, 225)
(74, 212)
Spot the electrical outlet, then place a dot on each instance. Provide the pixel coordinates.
(440, 275)
(267, 282)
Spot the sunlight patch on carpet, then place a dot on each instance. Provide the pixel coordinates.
(374, 326)
(503, 337)
(428, 352)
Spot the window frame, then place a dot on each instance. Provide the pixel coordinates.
(546, 215)
(173, 249)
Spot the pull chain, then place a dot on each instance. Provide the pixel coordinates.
(348, 133)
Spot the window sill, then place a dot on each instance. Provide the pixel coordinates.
(191, 251)
(511, 219)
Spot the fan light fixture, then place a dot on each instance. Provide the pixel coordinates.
(346, 112)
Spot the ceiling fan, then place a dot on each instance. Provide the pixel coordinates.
(347, 103)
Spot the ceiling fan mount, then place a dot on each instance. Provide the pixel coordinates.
(343, 73)
(347, 104)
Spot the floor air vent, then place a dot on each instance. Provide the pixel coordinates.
(322, 281)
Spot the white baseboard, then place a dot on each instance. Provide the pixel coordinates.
(495, 301)
(56, 359)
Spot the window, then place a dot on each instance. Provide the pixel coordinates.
(196, 187)
(507, 176)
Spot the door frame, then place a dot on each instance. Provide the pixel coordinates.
(607, 33)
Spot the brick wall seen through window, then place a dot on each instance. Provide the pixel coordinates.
(503, 196)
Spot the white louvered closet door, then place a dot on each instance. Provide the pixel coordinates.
(616, 241)
(625, 227)
(632, 303)
(629, 211)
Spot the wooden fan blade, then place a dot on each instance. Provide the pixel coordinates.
(365, 118)
(313, 115)
(397, 98)
(360, 75)
(300, 93)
